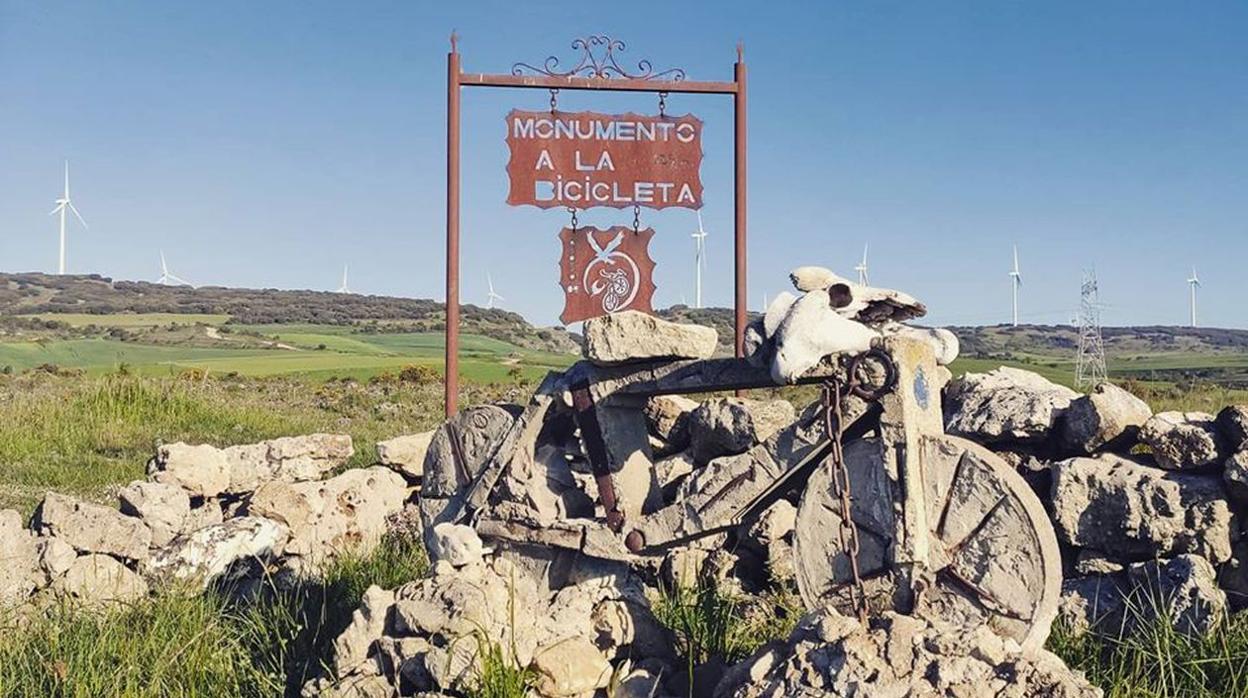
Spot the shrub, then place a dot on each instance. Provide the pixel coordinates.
(419, 374)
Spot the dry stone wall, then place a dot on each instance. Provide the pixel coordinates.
(1149, 507)
(204, 514)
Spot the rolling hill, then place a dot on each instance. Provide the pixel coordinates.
(76, 298)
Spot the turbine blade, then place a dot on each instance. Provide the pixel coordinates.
(699, 220)
(56, 210)
(76, 214)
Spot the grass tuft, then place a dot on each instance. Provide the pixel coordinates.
(712, 624)
(498, 675)
(178, 644)
(1151, 658)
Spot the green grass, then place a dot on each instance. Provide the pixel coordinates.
(317, 352)
(498, 675)
(1154, 660)
(711, 624)
(81, 435)
(178, 644)
(84, 435)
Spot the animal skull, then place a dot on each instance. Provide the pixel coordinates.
(834, 316)
(811, 328)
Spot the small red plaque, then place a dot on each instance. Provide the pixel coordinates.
(605, 271)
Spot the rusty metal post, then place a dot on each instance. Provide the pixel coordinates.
(452, 228)
(739, 198)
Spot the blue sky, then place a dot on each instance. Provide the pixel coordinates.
(266, 143)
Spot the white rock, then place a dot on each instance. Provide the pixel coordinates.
(571, 667)
(55, 557)
(209, 552)
(201, 470)
(19, 559)
(457, 544)
(630, 335)
(406, 454)
(347, 512)
(100, 580)
(1005, 405)
(1233, 423)
(832, 656)
(486, 598)
(92, 528)
(208, 513)
(944, 343)
(287, 459)
(727, 426)
(164, 508)
(1183, 440)
(1137, 512)
(1106, 417)
(368, 623)
(1235, 475)
(668, 418)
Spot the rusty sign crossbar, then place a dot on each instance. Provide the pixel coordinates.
(597, 68)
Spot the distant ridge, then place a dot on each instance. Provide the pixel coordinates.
(92, 294)
(38, 293)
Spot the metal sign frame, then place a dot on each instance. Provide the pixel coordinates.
(597, 69)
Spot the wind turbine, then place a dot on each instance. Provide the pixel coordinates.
(489, 303)
(1194, 283)
(699, 261)
(1016, 280)
(862, 267)
(343, 288)
(62, 204)
(167, 279)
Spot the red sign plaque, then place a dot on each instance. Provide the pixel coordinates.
(605, 271)
(585, 159)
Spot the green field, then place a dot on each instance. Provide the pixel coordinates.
(313, 351)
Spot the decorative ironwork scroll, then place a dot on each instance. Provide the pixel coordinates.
(598, 60)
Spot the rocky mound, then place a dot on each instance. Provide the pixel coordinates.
(833, 655)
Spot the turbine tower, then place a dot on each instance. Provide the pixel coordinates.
(62, 204)
(1016, 280)
(699, 261)
(489, 302)
(167, 279)
(1194, 283)
(862, 267)
(343, 288)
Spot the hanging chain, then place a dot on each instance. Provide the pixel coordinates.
(662, 104)
(636, 218)
(572, 211)
(847, 531)
(554, 99)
